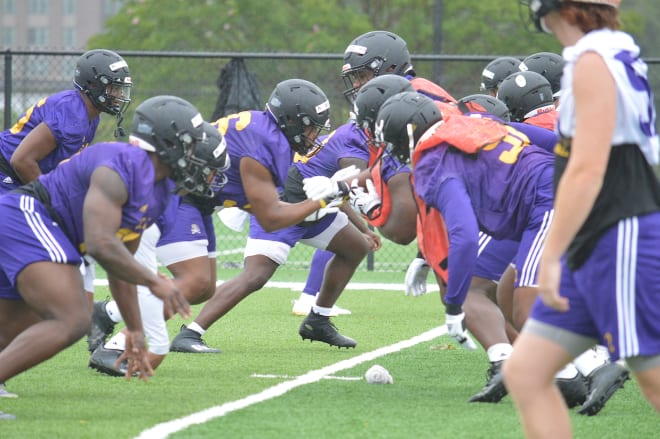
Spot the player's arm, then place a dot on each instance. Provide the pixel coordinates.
(35, 146)
(454, 204)
(265, 204)
(401, 225)
(102, 214)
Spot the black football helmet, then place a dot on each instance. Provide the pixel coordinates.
(104, 77)
(296, 105)
(547, 64)
(402, 120)
(523, 92)
(373, 54)
(373, 94)
(495, 72)
(171, 127)
(206, 164)
(480, 103)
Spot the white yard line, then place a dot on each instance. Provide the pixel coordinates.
(164, 429)
(298, 286)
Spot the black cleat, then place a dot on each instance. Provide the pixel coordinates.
(320, 328)
(191, 342)
(104, 360)
(574, 390)
(494, 389)
(102, 326)
(603, 382)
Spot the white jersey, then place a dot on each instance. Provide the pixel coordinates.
(635, 112)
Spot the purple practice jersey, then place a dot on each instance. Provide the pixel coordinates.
(347, 141)
(503, 191)
(252, 134)
(66, 116)
(68, 183)
(500, 184)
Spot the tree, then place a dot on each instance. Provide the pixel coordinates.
(469, 28)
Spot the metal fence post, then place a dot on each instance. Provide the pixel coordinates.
(7, 89)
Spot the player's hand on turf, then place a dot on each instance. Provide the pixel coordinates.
(456, 329)
(548, 280)
(173, 299)
(415, 282)
(137, 355)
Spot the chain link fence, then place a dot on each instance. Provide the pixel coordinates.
(29, 76)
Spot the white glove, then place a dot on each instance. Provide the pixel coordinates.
(345, 173)
(323, 188)
(456, 329)
(416, 275)
(332, 207)
(364, 202)
(319, 187)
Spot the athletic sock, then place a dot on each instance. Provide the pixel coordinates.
(195, 327)
(112, 310)
(322, 310)
(499, 352)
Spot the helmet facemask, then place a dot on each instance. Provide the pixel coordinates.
(304, 134)
(202, 172)
(355, 78)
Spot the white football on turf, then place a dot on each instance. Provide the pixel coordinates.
(377, 374)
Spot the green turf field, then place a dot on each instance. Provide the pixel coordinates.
(63, 398)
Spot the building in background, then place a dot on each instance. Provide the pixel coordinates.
(52, 24)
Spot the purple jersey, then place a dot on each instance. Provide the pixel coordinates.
(347, 141)
(66, 116)
(68, 183)
(252, 134)
(496, 192)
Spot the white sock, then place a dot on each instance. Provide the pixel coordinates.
(568, 372)
(118, 342)
(195, 327)
(499, 352)
(322, 310)
(112, 310)
(588, 360)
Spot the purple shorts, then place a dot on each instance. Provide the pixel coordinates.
(530, 248)
(28, 235)
(614, 296)
(186, 223)
(494, 256)
(290, 235)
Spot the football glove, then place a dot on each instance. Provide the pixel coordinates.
(416, 275)
(456, 329)
(331, 207)
(364, 202)
(323, 188)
